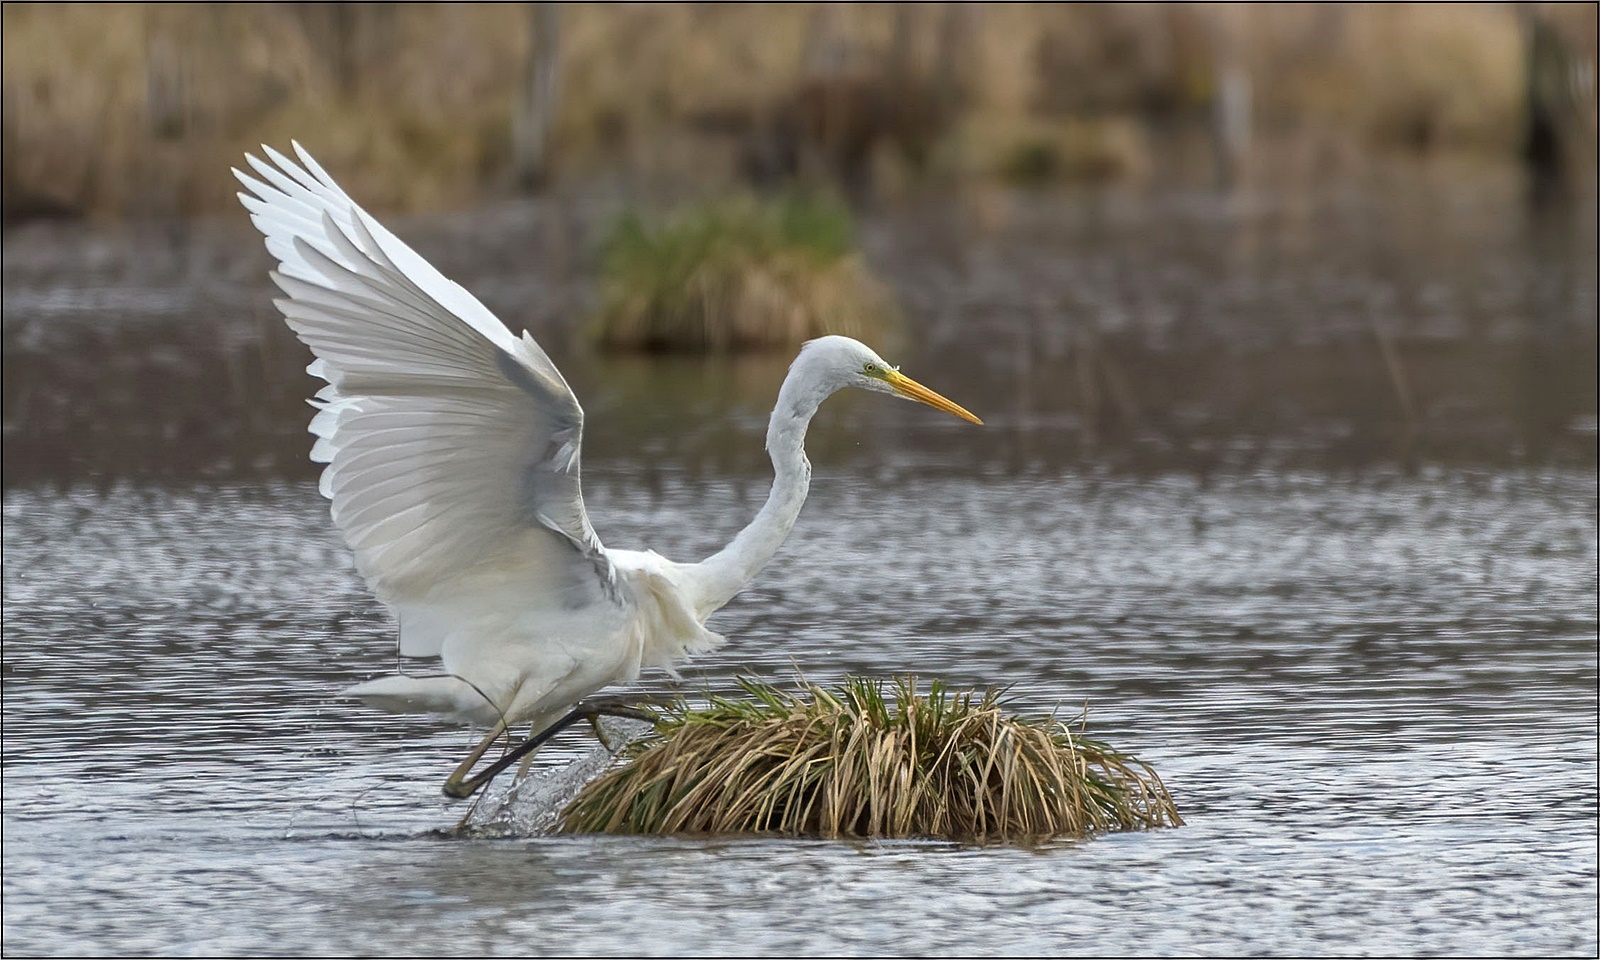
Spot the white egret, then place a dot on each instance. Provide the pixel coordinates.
(452, 452)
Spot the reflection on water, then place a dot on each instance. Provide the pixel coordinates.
(1296, 497)
(1415, 321)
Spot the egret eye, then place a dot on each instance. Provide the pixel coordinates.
(872, 369)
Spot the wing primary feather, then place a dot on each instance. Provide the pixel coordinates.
(316, 170)
(285, 184)
(447, 440)
(300, 176)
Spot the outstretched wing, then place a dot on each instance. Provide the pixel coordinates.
(452, 446)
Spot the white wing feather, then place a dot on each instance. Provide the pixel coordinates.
(452, 446)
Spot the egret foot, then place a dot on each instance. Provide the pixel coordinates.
(599, 734)
(460, 786)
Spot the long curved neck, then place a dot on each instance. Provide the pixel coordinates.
(725, 573)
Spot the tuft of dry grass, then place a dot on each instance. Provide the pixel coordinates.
(735, 275)
(867, 759)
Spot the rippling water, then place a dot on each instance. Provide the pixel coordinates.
(1358, 644)
(1373, 697)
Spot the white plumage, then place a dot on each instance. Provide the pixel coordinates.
(453, 453)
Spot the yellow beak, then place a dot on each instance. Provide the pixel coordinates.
(911, 389)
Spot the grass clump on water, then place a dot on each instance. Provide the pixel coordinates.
(737, 274)
(860, 760)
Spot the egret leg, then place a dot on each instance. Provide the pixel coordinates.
(452, 783)
(527, 761)
(589, 710)
(599, 734)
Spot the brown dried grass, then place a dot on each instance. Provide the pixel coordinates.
(140, 108)
(865, 760)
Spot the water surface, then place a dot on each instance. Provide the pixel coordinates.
(1374, 699)
(1347, 613)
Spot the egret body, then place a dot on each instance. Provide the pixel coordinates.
(453, 453)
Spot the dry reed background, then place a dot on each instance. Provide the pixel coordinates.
(120, 110)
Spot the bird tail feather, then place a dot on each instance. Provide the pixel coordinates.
(445, 695)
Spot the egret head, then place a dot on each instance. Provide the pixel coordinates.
(851, 363)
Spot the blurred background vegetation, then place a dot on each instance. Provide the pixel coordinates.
(1164, 233)
(138, 110)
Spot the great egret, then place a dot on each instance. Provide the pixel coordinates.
(452, 452)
